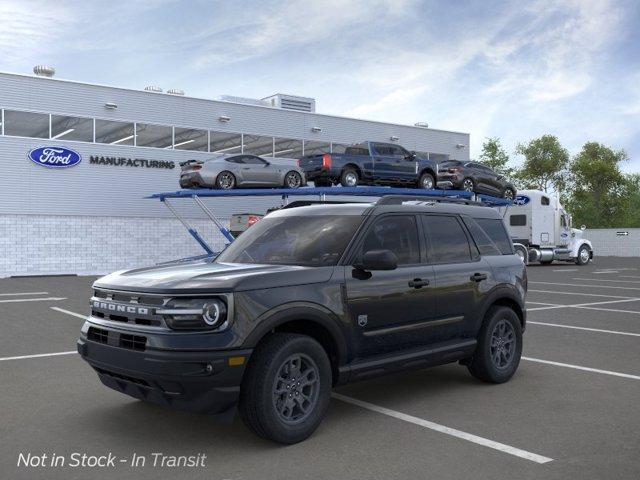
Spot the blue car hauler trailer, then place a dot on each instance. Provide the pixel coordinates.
(320, 192)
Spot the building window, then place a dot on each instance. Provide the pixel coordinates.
(258, 145)
(287, 148)
(312, 147)
(157, 136)
(190, 139)
(114, 133)
(26, 124)
(338, 147)
(71, 128)
(225, 143)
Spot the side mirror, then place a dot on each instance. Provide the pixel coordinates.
(583, 227)
(378, 260)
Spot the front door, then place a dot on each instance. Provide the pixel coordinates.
(391, 164)
(257, 171)
(390, 310)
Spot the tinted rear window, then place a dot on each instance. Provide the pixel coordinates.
(494, 228)
(486, 246)
(447, 240)
(357, 150)
(518, 220)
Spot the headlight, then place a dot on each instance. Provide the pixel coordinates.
(195, 314)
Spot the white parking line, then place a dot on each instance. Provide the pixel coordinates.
(606, 271)
(567, 270)
(23, 293)
(485, 442)
(584, 328)
(607, 280)
(73, 314)
(589, 286)
(583, 294)
(542, 303)
(22, 357)
(609, 310)
(629, 276)
(48, 299)
(579, 367)
(583, 305)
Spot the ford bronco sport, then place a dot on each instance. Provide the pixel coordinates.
(310, 298)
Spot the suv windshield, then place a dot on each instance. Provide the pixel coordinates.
(313, 241)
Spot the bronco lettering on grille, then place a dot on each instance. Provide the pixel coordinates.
(116, 307)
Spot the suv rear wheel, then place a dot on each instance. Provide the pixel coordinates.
(286, 390)
(499, 346)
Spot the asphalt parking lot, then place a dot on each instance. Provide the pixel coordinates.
(571, 411)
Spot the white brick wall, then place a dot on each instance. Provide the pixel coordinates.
(607, 242)
(47, 244)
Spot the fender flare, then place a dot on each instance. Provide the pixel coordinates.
(501, 293)
(311, 312)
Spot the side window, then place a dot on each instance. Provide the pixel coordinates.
(447, 240)
(485, 245)
(235, 159)
(498, 234)
(518, 220)
(381, 149)
(250, 159)
(544, 200)
(396, 233)
(397, 151)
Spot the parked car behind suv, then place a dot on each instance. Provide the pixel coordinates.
(309, 298)
(475, 177)
(371, 163)
(234, 171)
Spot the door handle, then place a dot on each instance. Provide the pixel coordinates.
(478, 277)
(418, 283)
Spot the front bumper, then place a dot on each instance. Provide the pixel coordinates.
(193, 381)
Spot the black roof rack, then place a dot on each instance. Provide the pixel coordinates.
(399, 199)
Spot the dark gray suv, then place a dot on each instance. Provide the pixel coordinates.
(309, 298)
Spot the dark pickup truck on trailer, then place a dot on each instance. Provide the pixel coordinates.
(371, 163)
(309, 298)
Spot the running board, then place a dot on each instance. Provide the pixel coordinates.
(438, 354)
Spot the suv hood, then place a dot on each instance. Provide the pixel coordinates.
(206, 277)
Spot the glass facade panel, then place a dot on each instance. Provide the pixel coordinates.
(149, 135)
(190, 139)
(258, 145)
(312, 147)
(26, 124)
(287, 148)
(72, 128)
(224, 142)
(115, 133)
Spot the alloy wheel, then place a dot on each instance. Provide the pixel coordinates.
(296, 388)
(503, 344)
(467, 185)
(427, 182)
(226, 181)
(508, 194)
(293, 180)
(584, 255)
(351, 179)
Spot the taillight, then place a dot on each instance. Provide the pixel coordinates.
(298, 162)
(455, 170)
(326, 161)
(197, 166)
(252, 219)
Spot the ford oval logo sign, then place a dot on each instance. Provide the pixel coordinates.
(55, 157)
(521, 200)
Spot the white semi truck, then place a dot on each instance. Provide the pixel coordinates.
(541, 230)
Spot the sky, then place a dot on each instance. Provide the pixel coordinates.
(514, 70)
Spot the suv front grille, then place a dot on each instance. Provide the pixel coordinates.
(98, 335)
(133, 342)
(128, 308)
(124, 340)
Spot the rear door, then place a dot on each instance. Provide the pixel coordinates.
(391, 310)
(462, 276)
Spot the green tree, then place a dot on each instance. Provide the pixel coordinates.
(599, 193)
(545, 164)
(495, 157)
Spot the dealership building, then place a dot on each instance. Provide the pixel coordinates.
(93, 217)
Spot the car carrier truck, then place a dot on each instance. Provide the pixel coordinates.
(541, 230)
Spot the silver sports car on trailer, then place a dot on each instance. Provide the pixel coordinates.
(234, 171)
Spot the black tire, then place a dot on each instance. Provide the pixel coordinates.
(226, 180)
(258, 407)
(322, 183)
(509, 193)
(292, 180)
(483, 365)
(346, 178)
(546, 262)
(427, 181)
(584, 255)
(468, 184)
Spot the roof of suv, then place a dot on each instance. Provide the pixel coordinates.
(475, 211)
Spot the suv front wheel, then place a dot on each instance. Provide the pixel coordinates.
(286, 390)
(499, 346)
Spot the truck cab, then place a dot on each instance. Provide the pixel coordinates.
(541, 230)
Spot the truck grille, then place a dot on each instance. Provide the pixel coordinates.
(133, 342)
(98, 335)
(130, 308)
